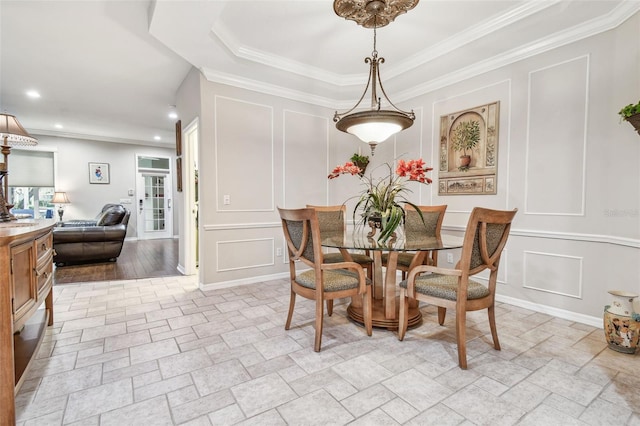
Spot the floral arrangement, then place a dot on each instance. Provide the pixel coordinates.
(381, 198)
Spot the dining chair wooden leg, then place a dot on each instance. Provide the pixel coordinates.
(461, 335)
(368, 311)
(492, 324)
(403, 317)
(329, 307)
(442, 313)
(292, 303)
(319, 318)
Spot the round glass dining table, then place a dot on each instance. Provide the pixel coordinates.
(385, 303)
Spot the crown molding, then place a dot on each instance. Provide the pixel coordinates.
(579, 32)
(473, 33)
(101, 138)
(482, 29)
(272, 89)
(279, 62)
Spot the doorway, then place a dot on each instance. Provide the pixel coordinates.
(153, 188)
(191, 196)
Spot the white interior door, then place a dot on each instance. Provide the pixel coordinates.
(154, 210)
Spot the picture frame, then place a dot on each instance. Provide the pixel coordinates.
(178, 138)
(468, 151)
(99, 173)
(179, 174)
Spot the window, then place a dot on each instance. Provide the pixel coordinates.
(31, 183)
(25, 199)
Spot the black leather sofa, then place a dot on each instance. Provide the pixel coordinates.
(100, 239)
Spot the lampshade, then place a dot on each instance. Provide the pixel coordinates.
(374, 125)
(13, 134)
(60, 198)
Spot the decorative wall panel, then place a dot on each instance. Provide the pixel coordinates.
(244, 156)
(553, 273)
(556, 142)
(305, 159)
(254, 253)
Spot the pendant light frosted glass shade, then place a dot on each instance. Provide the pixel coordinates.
(374, 127)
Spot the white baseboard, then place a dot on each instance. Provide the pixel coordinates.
(560, 313)
(244, 281)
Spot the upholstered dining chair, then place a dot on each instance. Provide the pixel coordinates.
(332, 221)
(430, 224)
(485, 237)
(323, 281)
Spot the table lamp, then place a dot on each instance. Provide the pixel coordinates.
(12, 134)
(61, 199)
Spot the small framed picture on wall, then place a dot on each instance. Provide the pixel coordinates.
(178, 138)
(98, 172)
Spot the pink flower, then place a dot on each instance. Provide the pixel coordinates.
(348, 168)
(415, 169)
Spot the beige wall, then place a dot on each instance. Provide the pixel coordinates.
(564, 161)
(72, 158)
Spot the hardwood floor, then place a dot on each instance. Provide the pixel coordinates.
(139, 259)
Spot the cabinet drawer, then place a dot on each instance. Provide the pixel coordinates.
(44, 277)
(43, 246)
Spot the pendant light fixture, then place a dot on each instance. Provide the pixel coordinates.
(373, 125)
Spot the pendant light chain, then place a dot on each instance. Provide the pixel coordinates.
(375, 124)
(375, 50)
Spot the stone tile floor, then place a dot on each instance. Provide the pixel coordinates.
(161, 352)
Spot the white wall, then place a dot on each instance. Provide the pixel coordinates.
(564, 161)
(72, 174)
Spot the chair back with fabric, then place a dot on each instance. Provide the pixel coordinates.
(428, 221)
(485, 238)
(323, 281)
(331, 219)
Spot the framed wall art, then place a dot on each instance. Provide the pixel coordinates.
(179, 174)
(98, 172)
(469, 151)
(178, 138)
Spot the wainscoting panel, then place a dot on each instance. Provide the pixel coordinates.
(244, 254)
(556, 139)
(243, 185)
(553, 273)
(305, 159)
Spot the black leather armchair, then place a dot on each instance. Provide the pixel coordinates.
(78, 241)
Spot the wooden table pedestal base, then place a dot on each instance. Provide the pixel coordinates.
(378, 317)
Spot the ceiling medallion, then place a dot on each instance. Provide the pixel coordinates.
(373, 125)
(372, 13)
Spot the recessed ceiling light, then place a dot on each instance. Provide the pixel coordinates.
(58, 126)
(157, 138)
(173, 115)
(33, 94)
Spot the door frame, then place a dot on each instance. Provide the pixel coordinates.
(169, 205)
(191, 229)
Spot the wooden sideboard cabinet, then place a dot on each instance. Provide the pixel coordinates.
(26, 280)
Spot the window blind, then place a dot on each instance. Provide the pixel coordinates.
(31, 168)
